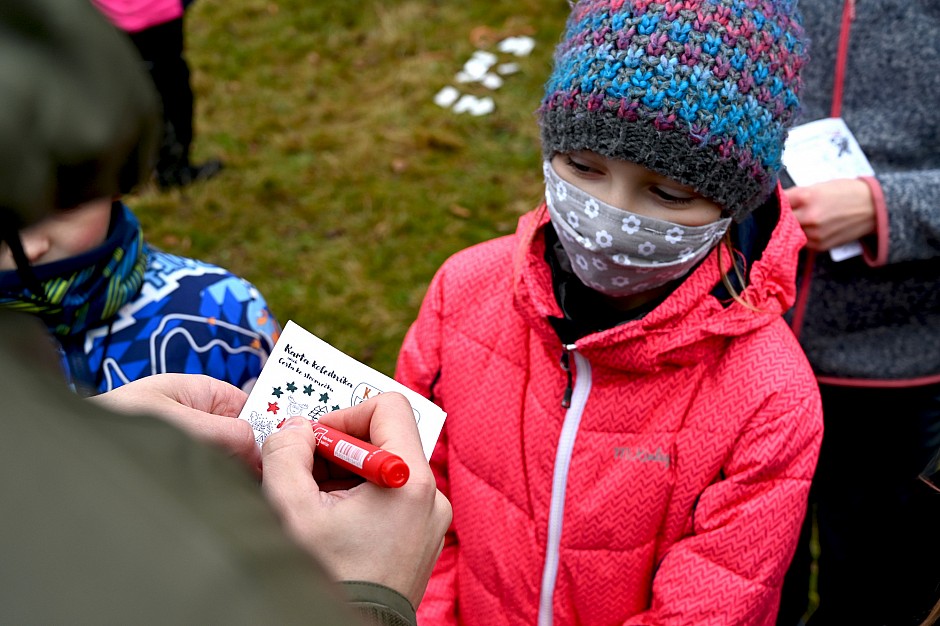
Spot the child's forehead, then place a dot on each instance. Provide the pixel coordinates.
(91, 212)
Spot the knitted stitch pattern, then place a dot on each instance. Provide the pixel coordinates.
(700, 91)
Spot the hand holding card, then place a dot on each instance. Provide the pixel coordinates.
(826, 150)
(201, 405)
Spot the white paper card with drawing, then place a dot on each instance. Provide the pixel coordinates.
(305, 375)
(825, 150)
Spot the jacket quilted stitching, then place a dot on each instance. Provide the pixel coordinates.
(690, 468)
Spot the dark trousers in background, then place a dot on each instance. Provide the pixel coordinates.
(161, 48)
(878, 524)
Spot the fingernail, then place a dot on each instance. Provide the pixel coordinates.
(294, 422)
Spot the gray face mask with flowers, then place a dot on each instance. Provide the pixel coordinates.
(619, 253)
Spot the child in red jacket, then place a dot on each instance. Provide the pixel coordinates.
(632, 427)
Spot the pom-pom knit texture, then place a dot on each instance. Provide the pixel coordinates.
(701, 91)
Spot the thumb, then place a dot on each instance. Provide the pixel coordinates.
(287, 458)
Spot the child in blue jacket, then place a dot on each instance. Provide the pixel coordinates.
(121, 309)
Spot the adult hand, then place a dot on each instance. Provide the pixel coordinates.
(833, 212)
(366, 533)
(202, 406)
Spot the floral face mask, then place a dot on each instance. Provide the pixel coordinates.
(620, 253)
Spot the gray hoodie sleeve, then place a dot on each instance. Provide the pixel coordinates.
(890, 102)
(912, 199)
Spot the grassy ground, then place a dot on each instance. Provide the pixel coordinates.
(345, 186)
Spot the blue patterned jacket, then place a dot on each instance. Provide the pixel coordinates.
(190, 317)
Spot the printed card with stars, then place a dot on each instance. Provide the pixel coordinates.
(306, 376)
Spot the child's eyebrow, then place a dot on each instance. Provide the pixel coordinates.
(662, 179)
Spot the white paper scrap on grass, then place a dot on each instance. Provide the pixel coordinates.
(446, 97)
(477, 66)
(520, 46)
(474, 106)
(492, 81)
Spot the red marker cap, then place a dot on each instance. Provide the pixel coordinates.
(393, 471)
(376, 465)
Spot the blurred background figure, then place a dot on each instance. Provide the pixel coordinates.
(156, 29)
(870, 325)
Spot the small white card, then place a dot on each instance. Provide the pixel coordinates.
(824, 150)
(306, 376)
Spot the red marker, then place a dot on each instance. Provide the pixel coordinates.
(376, 465)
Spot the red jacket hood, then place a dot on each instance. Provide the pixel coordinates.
(689, 321)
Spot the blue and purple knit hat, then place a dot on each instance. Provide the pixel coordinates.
(701, 91)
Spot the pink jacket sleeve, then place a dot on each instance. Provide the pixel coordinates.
(418, 366)
(136, 15)
(730, 568)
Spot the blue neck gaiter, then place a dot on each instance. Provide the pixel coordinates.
(80, 292)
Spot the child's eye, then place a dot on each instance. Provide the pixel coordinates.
(580, 167)
(670, 197)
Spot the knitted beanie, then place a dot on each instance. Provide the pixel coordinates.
(700, 91)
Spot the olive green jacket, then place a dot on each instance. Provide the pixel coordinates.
(113, 519)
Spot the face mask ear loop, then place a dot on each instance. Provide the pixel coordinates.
(10, 235)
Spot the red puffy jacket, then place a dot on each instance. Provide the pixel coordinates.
(673, 488)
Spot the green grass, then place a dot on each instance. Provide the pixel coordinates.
(345, 186)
